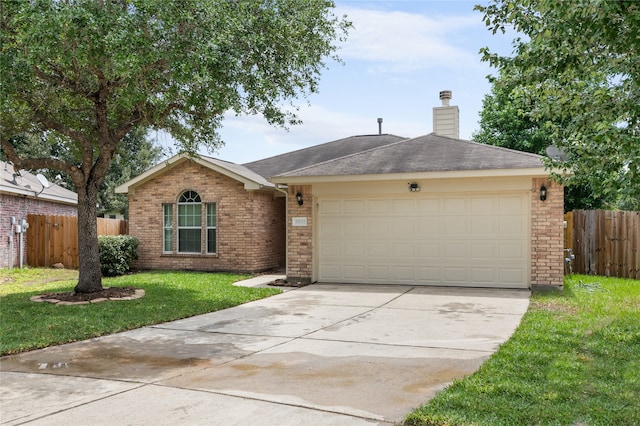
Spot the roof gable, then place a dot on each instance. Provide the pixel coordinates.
(428, 153)
(250, 179)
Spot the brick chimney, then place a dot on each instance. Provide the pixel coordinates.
(446, 118)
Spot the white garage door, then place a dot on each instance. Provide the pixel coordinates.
(457, 240)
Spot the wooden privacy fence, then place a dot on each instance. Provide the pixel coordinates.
(54, 239)
(604, 242)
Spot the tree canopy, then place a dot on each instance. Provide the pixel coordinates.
(86, 73)
(506, 121)
(576, 65)
(136, 153)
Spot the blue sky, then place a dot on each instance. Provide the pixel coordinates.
(398, 57)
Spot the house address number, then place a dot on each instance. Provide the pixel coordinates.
(299, 221)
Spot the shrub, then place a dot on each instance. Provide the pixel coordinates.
(116, 254)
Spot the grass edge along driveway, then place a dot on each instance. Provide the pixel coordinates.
(574, 360)
(169, 295)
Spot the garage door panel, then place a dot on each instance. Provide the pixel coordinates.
(402, 206)
(401, 227)
(354, 250)
(429, 251)
(511, 277)
(428, 227)
(402, 252)
(512, 251)
(379, 250)
(330, 249)
(457, 251)
(402, 273)
(377, 227)
(513, 204)
(462, 240)
(513, 227)
(484, 226)
(330, 229)
(378, 207)
(455, 205)
(355, 272)
(455, 226)
(483, 205)
(332, 207)
(354, 228)
(331, 272)
(483, 251)
(456, 275)
(379, 273)
(354, 206)
(429, 205)
(483, 276)
(429, 274)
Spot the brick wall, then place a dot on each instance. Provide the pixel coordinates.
(300, 238)
(269, 230)
(547, 235)
(19, 207)
(249, 238)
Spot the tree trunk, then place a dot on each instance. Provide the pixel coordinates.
(90, 277)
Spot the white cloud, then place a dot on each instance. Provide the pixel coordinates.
(406, 42)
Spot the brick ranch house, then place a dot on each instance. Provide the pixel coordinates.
(430, 210)
(21, 195)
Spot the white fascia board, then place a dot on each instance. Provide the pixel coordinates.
(149, 174)
(249, 184)
(300, 180)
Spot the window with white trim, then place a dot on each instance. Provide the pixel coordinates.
(167, 226)
(212, 221)
(189, 223)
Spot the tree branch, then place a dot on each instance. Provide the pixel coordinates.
(50, 124)
(20, 163)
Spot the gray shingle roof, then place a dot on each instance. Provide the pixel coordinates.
(27, 184)
(429, 153)
(305, 157)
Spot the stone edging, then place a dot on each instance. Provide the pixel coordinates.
(137, 295)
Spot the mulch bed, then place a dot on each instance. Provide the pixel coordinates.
(285, 283)
(108, 293)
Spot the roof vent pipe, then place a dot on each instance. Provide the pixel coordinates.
(380, 125)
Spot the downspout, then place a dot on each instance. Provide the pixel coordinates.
(286, 225)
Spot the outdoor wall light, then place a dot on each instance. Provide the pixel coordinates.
(414, 187)
(543, 193)
(299, 198)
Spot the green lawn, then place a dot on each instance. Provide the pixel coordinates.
(26, 325)
(574, 360)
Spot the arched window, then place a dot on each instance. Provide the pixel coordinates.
(189, 223)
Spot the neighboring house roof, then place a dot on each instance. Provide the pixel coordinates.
(313, 155)
(424, 154)
(28, 185)
(250, 179)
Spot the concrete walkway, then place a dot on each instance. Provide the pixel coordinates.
(323, 354)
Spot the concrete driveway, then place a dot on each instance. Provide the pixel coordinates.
(323, 354)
